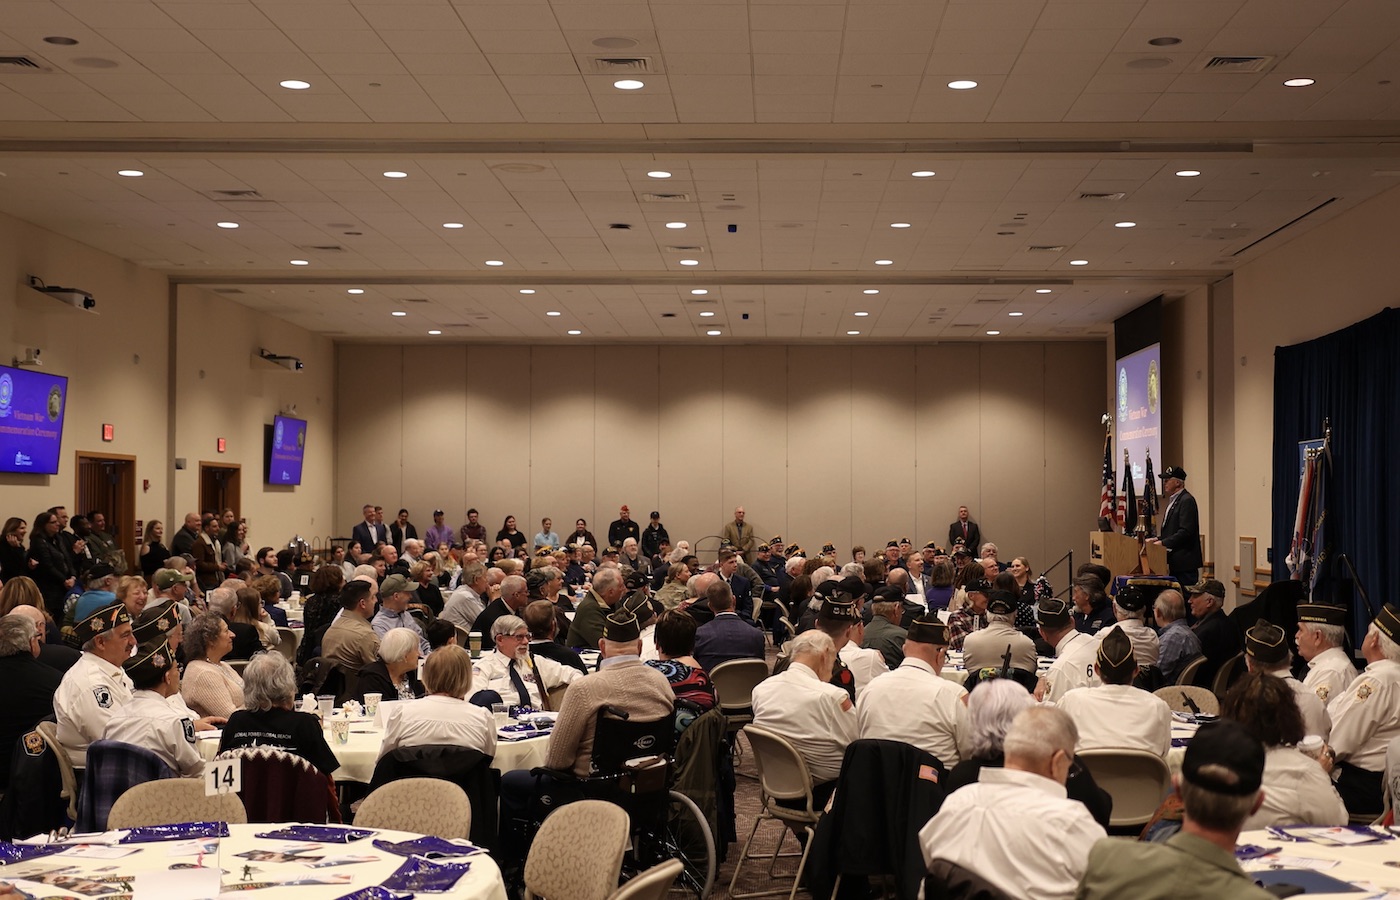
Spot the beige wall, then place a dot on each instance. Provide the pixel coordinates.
(817, 442)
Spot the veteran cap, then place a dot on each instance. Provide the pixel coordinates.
(1173, 472)
(101, 621)
(1000, 603)
(1266, 642)
(150, 665)
(1115, 653)
(835, 609)
(396, 583)
(1388, 621)
(1209, 586)
(1052, 612)
(640, 606)
(928, 630)
(1223, 758)
(1322, 614)
(621, 626)
(167, 578)
(101, 570)
(1131, 598)
(155, 623)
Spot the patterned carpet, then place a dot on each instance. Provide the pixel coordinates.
(746, 808)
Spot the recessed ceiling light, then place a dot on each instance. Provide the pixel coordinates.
(699, 292)
(853, 332)
(870, 291)
(130, 173)
(675, 224)
(1188, 173)
(658, 173)
(355, 291)
(1079, 262)
(451, 224)
(884, 262)
(862, 314)
(1043, 291)
(527, 290)
(495, 262)
(1299, 82)
(227, 224)
(629, 84)
(398, 313)
(899, 224)
(395, 174)
(1124, 224)
(575, 331)
(1015, 315)
(924, 173)
(706, 314)
(434, 331)
(713, 332)
(60, 41)
(962, 85)
(554, 312)
(293, 84)
(1164, 41)
(300, 262)
(690, 262)
(994, 333)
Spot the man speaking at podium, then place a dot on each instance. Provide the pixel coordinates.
(1181, 528)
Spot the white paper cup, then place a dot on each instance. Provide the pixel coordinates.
(372, 704)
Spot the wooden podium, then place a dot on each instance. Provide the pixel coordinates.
(1122, 556)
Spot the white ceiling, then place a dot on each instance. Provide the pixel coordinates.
(799, 124)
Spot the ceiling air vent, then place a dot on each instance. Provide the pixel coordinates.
(245, 194)
(678, 249)
(412, 300)
(14, 65)
(1114, 195)
(324, 248)
(621, 65)
(651, 197)
(1237, 65)
(1046, 248)
(993, 300)
(228, 291)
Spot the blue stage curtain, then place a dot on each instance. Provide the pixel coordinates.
(1351, 378)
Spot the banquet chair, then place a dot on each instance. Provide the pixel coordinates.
(287, 646)
(48, 730)
(1176, 698)
(174, 800)
(1191, 671)
(734, 682)
(112, 769)
(562, 866)
(1137, 780)
(651, 884)
(782, 775)
(1230, 672)
(283, 787)
(421, 805)
(463, 767)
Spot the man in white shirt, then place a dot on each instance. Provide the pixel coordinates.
(96, 686)
(1321, 635)
(148, 720)
(815, 716)
(866, 664)
(1015, 827)
(467, 602)
(1366, 717)
(1116, 715)
(1266, 650)
(915, 704)
(513, 672)
(1074, 651)
(1130, 609)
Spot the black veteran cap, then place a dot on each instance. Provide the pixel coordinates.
(928, 630)
(545, 550)
(1131, 598)
(889, 544)
(961, 550)
(776, 539)
(837, 610)
(980, 586)
(156, 622)
(621, 626)
(101, 621)
(1173, 472)
(1322, 613)
(149, 666)
(794, 550)
(1115, 653)
(1388, 621)
(828, 548)
(1209, 586)
(1266, 642)
(1000, 603)
(640, 606)
(1052, 612)
(1225, 759)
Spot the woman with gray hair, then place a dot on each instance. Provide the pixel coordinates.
(991, 707)
(392, 675)
(210, 686)
(270, 719)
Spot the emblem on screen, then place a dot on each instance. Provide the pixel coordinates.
(55, 403)
(277, 434)
(1123, 395)
(7, 394)
(1154, 387)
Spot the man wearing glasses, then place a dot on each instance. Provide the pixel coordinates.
(515, 673)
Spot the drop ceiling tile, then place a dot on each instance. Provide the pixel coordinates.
(807, 43)
(795, 64)
(1009, 40)
(699, 18)
(409, 16)
(182, 63)
(102, 14)
(446, 64)
(709, 63)
(165, 40)
(781, 18)
(266, 40)
(82, 107)
(380, 67)
(519, 41)
(412, 44)
(340, 41)
(1108, 107)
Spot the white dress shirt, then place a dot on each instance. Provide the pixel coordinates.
(1073, 666)
(815, 716)
(492, 672)
(865, 665)
(148, 721)
(1330, 673)
(649, 644)
(87, 697)
(915, 705)
(1119, 717)
(1296, 792)
(1017, 830)
(1146, 647)
(436, 719)
(1367, 716)
(1315, 718)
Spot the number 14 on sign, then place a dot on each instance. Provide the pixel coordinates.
(223, 776)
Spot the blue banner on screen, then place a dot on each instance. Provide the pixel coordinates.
(1139, 415)
(31, 420)
(288, 448)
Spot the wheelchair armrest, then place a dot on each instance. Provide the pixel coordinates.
(556, 774)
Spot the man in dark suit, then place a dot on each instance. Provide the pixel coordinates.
(368, 532)
(739, 586)
(965, 531)
(401, 530)
(727, 636)
(623, 528)
(1181, 527)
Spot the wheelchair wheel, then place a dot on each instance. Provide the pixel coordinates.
(686, 837)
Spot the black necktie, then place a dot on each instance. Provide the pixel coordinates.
(519, 684)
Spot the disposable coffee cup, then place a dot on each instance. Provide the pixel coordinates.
(372, 704)
(324, 704)
(474, 642)
(340, 729)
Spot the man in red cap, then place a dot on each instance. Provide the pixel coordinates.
(623, 528)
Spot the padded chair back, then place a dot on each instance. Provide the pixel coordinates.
(320, 676)
(563, 865)
(174, 800)
(1137, 780)
(617, 739)
(283, 787)
(421, 805)
(1182, 697)
(287, 646)
(1229, 673)
(49, 731)
(651, 884)
(112, 768)
(464, 638)
(782, 773)
(1191, 671)
(468, 769)
(734, 682)
(950, 881)
(556, 695)
(238, 665)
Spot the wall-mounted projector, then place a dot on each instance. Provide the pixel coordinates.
(290, 363)
(78, 299)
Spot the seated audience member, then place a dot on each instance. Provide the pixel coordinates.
(395, 595)
(424, 573)
(1115, 715)
(511, 599)
(211, 687)
(836, 618)
(441, 633)
(253, 632)
(133, 593)
(914, 703)
(1093, 611)
(32, 684)
(1074, 651)
(546, 582)
(645, 609)
(512, 671)
(1266, 650)
(393, 674)
(1130, 611)
(1219, 788)
(883, 633)
(987, 647)
(1366, 717)
(269, 717)
(940, 592)
(606, 590)
(1016, 827)
(726, 636)
(350, 642)
(865, 665)
(148, 720)
(671, 594)
(1219, 635)
(269, 588)
(814, 715)
(96, 685)
(1177, 643)
(972, 615)
(443, 716)
(1321, 634)
(1297, 789)
(466, 603)
(542, 621)
(675, 648)
(318, 608)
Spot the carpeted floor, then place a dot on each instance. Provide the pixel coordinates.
(746, 808)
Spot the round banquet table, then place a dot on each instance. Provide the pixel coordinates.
(482, 882)
(358, 756)
(955, 672)
(1361, 864)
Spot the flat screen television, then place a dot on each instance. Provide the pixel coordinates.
(286, 447)
(31, 420)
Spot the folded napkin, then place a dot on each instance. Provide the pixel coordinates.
(318, 834)
(429, 847)
(421, 875)
(178, 831)
(17, 853)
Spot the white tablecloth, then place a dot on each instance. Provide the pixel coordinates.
(483, 882)
(954, 670)
(1365, 863)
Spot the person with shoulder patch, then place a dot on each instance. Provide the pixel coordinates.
(1366, 717)
(96, 686)
(1074, 650)
(1321, 637)
(149, 721)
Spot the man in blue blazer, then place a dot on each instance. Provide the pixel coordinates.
(726, 636)
(1181, 528)
(739, 586)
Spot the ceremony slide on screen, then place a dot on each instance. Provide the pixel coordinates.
(1138, 425)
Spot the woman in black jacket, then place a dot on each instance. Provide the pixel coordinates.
(53, 570)
(14, 560)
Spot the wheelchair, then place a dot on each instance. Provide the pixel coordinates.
(633, 767)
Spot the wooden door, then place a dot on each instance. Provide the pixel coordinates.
(106, 482)
(220, 488)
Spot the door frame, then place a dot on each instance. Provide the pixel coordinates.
(126, 489)
(207, 464)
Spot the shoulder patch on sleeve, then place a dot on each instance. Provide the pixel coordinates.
(188, 726)
(1322, 692)
(1364, 690)
(103, 695)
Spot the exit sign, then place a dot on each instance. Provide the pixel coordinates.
(107, 432)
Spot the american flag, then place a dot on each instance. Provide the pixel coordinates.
(1108, 496)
